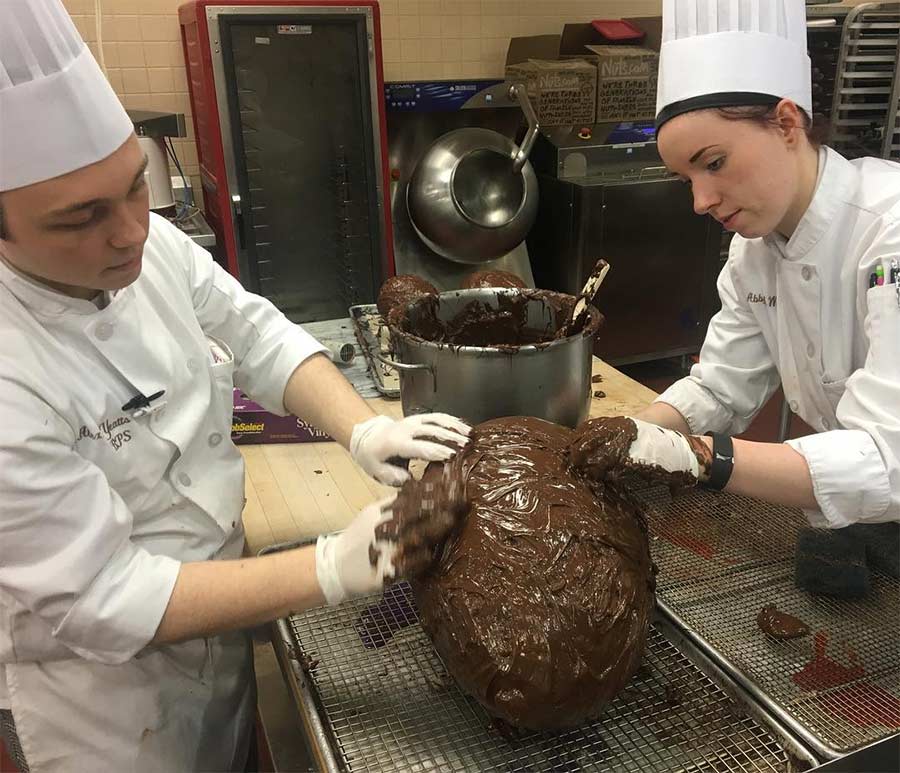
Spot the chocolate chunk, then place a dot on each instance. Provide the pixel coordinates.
(596, 379)
(599, 393)
(491, 279)
(398, 291)
(780, 625)
(540, 602)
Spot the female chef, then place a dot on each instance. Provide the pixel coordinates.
(124, 597)
(810, 290)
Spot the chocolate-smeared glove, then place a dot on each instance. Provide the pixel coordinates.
(378, 443)
(355, 562)
(604, 447)
(391, 539)
(424, 514)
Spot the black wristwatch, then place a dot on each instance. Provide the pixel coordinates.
(722, 461)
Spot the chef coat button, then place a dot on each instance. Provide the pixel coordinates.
(104, 331)
(826, 424)
(793, 405)
(192, 365)
(215, 439)
(806, 273)
(810, 350)
(184, 479)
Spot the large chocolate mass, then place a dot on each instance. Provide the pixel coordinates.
(540, 601)
(400, 290)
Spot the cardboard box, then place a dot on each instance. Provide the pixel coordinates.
(251, 423)
(626, 82)
(563, 93)
(622, 94)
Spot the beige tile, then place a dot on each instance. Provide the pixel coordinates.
(179, 75)
(430, 71)
(390, 51)
(134, 80)
(161, 79)
(393, 71)
(115, 80)
(388, 8)
(449, 6)
(429, 8)
(430, 27)
(470, 26)
(431, 51)
(408, 27)
(165, 103)
(493, 49)
(390, 27)
(470, 8)
(494, 26)
(411, 50)
(160, 28)
(176, 54)
(156, 53)
(471, 50)
(409, 71)
(111, 54)
(450, 26)
(451, 50)
(408, 7)
(131, 55)
(136, 101)
(127, 28)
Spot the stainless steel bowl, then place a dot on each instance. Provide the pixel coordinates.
(473, 195)
(551, 381)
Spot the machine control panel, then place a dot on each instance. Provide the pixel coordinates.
(447, 96)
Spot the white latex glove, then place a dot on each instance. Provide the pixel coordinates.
(380, 438)
(343, 565)
(660, 447)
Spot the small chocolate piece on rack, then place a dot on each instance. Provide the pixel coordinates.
(780, 625)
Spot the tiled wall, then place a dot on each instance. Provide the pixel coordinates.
(422, 39)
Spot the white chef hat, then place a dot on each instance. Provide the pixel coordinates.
(723, 53)
(58, 112)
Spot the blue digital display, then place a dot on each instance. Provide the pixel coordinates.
(430, 96)
(632, 132)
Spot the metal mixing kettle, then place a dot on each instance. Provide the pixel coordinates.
(473, 195)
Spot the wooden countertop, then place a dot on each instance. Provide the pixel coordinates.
(296, 491)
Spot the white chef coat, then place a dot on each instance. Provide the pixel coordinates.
(801, 312)
(100, 507)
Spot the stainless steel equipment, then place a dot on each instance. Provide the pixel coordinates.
(288, 115)
(473, 195)
(551, 381)
(377, 698)
(605, 191)
(714, 693)
(866, 107)
(419, 114)
(152, 129)
(721, 558)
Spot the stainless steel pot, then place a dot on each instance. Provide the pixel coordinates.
(473, 195)
(551, 381)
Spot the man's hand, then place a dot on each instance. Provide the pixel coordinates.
(427, 436)
(355, 562)
(605, 446)
(393, 538)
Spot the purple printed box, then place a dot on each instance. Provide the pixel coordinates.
(251, 423)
